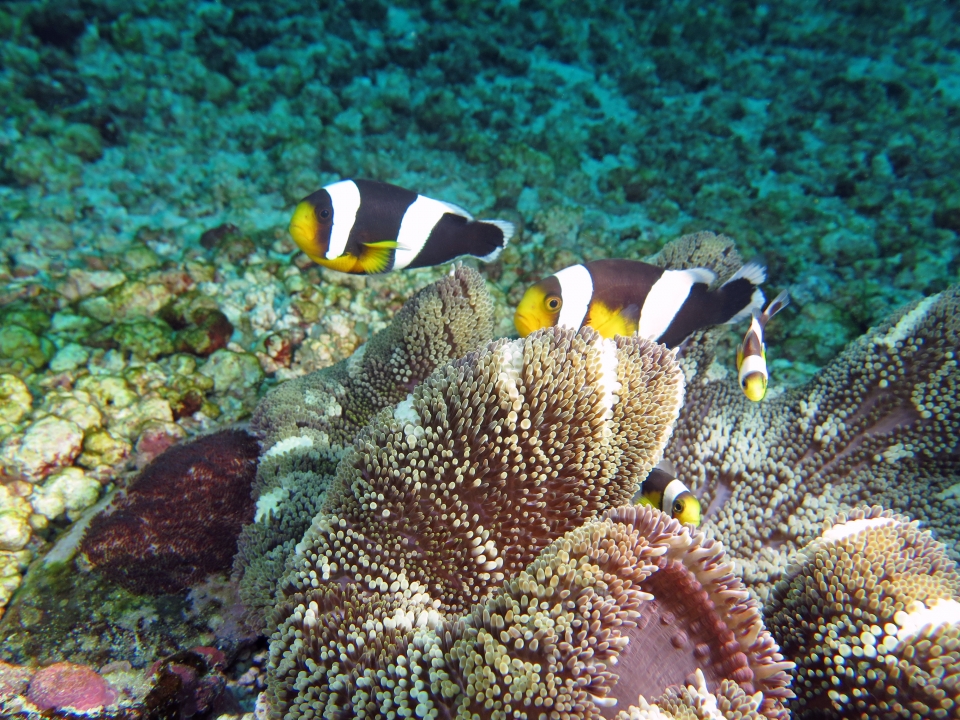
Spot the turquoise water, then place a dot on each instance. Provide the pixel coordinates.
(152, 153)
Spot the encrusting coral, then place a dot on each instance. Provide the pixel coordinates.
(879, 424)
(305, 423)
(870, 613)
(444, 501)
(180, 518)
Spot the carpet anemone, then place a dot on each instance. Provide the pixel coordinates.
(870, 612)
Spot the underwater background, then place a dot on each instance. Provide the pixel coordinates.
(151, 154)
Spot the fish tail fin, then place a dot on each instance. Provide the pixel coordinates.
(740, 296)
(488, 238)
(775, 306)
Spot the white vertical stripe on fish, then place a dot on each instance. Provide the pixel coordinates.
(417, 224)
(752, 364)
(670, 493)
(576, 290)
(345, 196)
(664, 301)
(756, 329)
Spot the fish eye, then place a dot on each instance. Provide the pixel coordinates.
(553, 303)
(324, 213)
(678, 507)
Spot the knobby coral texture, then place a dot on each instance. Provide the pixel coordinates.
(705, 249)
(608, 616)
(695, 701)
(870, 613)
(616, 610)
(455, 492)
(180, 518)
(305, 424)
(880, 424)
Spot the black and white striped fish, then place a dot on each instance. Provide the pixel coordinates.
(627, 297)
(752, 352)
(366, 227)
(662, 490)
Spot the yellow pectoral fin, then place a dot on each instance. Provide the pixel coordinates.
(377, 257)
(739, 356)
(346, 263)
(610, 321)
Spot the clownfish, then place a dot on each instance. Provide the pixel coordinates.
(752, 353)
(365, 227)
(662, 490)
(629, 297)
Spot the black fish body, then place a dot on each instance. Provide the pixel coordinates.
(364, 226)
(626, 297)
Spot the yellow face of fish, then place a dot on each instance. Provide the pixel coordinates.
(754, 386)
(686, 509)
(539, 307)
(310, 229)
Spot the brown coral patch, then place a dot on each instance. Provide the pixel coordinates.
(555, 641)
(179, 519)
(316, 416)
(494, 457)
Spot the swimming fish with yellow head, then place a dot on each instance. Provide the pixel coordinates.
(629, 297)
(662, 490)
(365, 227)
(752, 352)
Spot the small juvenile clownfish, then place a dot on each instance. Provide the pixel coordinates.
(365, 227)
(629, 297)
(752, 353)
(663, 491)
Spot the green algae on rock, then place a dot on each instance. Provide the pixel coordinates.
(21, 349)
(16, 402)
